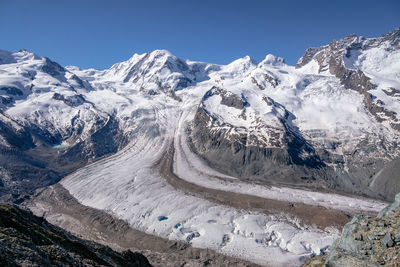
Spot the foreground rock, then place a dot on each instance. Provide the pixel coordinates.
(367, 241)
(28, 240)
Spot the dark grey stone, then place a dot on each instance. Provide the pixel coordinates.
(12, 90)
(387, 240)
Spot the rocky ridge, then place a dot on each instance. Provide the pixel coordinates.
(251, 146)
(367, 241)
(28, 240)
(336, 58)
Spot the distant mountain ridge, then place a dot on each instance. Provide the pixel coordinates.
(331, 121)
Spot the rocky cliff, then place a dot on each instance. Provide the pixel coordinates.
(367, 241)
(28, 240)
(255, 150)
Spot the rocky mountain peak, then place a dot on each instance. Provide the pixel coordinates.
(271, 124)
(269, 106)
(392, 37)
(233, 122)
(242, 64)
(156, 71)
(7, 57)
(272, 60)
(341, 47)
(367, 66)
(161, 53)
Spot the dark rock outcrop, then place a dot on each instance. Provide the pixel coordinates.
(287, 158)
(17, 138)
(28, 240)
(52, 68)
(73, 101)
(12, 90)
(368, 241)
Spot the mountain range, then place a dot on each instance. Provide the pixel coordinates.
(160, 126)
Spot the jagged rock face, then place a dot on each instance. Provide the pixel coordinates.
(31, 159)
(346, 60)
(229, 134)
(28, 240)
(15, 136)
(108, 139)
(367, 241)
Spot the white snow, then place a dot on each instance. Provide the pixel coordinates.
(129, 186)
(382, 65)
(36, 105)
(190, 168)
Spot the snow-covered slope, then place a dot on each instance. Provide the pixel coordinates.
(297, 125)
(153, 72)
(329, 123)
(44, 110)
(38, 93)
(367, 65)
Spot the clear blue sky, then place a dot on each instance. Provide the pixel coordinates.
(100, 33)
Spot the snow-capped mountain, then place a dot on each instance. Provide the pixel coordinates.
(329, 123)
(368, 66)
(332, 119)
(335, 125)
(153, 72)
(40, 94)
(43, 105)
